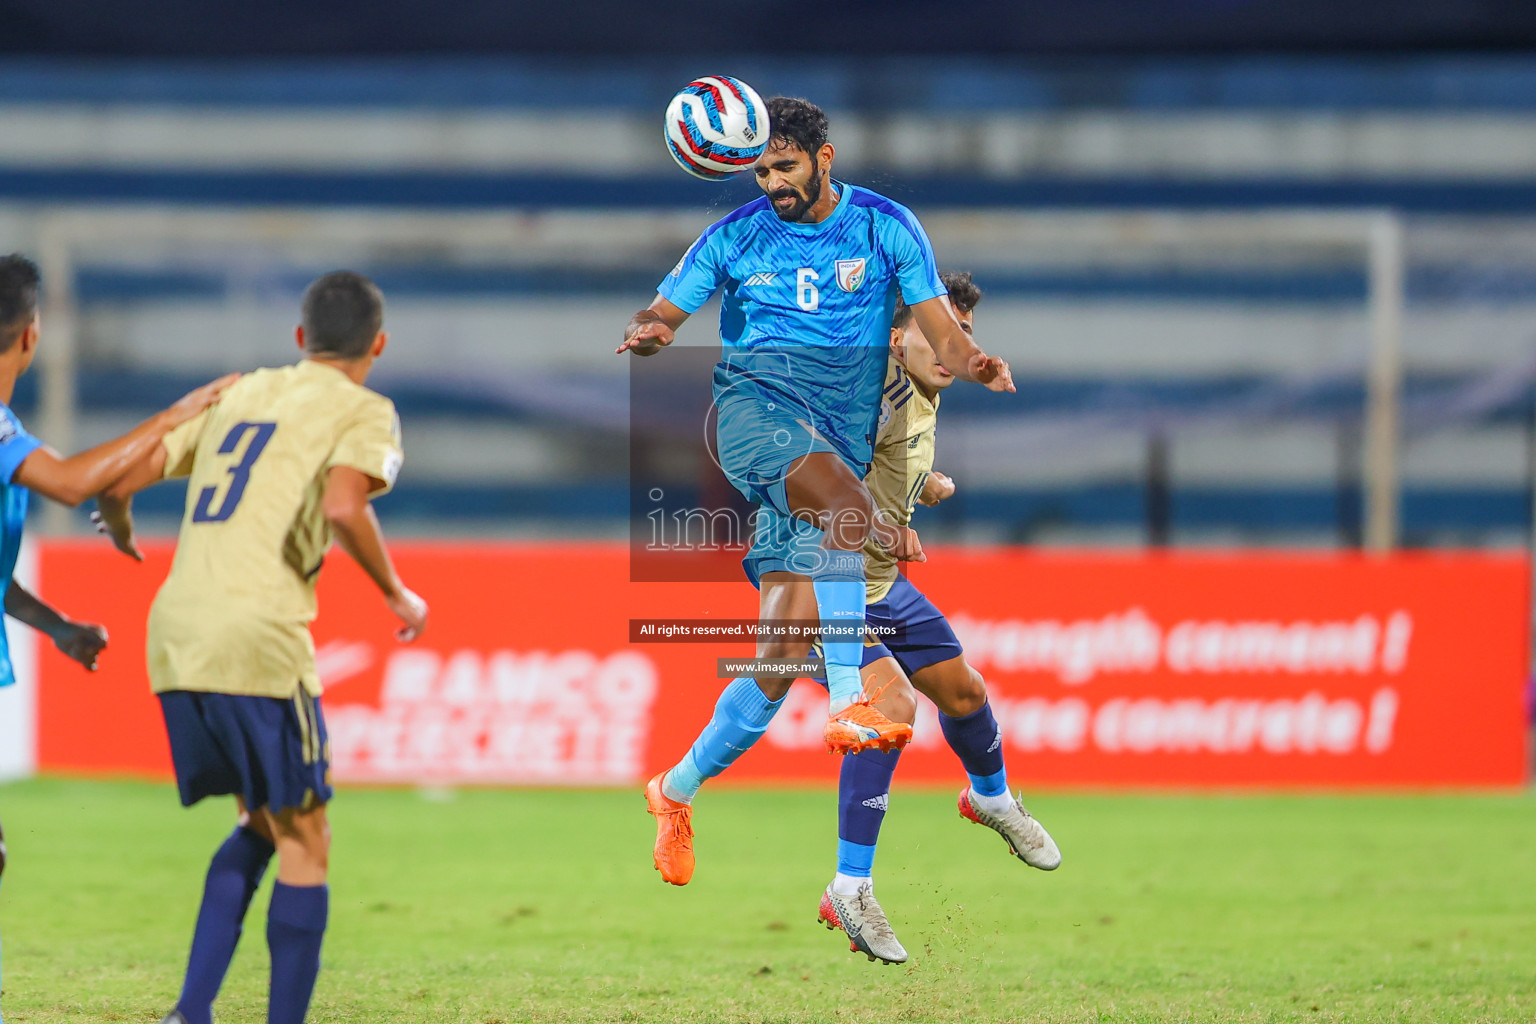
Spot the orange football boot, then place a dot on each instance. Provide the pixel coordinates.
(862, 726)
(673, 854)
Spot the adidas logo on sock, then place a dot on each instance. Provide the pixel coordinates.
(997, 742)
(879, 803)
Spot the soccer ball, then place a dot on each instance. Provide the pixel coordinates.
(716, 127)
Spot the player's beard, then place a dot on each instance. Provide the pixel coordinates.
(803, 200)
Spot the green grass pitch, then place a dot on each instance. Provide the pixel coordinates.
(500, 906)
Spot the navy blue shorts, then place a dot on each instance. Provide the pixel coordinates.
(271, 752)
(922, 635)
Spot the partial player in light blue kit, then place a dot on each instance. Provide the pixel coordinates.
(26, 465)
(809, 276)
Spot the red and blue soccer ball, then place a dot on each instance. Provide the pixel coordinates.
(716, 127)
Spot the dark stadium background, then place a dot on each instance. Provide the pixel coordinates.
(1207, 197)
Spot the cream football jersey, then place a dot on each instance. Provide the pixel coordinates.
(903, 457)
(233, 615)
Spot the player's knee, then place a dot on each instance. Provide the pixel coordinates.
(304, 844)
(899, 705)
(953, 686)
(316, 854)
(970, 694)
(774, 687)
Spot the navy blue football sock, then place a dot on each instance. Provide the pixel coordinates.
(295, 928)
(863, 793)
(978, 742)
(233, 876)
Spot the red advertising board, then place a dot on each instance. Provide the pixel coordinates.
(1174, 670)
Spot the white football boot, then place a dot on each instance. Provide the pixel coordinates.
(865, 924)
(1025, 836)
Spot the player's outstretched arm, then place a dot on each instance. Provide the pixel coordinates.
(956, 350)
(82, 641)
(652, 329)
(358, 532)
(75, 479)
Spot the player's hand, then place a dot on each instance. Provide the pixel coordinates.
(117, 525)
(646, 338)
(909, 548)
(81, 641)
(194, 402)
(411, 610)
(936, 488)
(991, 371)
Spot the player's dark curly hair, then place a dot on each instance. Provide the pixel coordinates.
(964, 295)
(342, 313)
(799, 123)
(19, 282)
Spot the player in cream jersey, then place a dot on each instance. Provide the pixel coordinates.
(288, 460)
(900, 474)
(258, 467)
(922, 649)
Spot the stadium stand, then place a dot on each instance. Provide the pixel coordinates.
(1238, 378)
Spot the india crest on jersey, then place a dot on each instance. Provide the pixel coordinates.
(850, 274)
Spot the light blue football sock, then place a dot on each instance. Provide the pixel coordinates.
(857, 860)
(741, 717)
(839, 589)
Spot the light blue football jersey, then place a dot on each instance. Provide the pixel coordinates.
(15, 445)
(805, 314)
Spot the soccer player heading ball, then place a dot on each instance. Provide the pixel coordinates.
(288, 459)
(811, 273)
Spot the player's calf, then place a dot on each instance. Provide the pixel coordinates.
(299, 911)
(234, 874)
